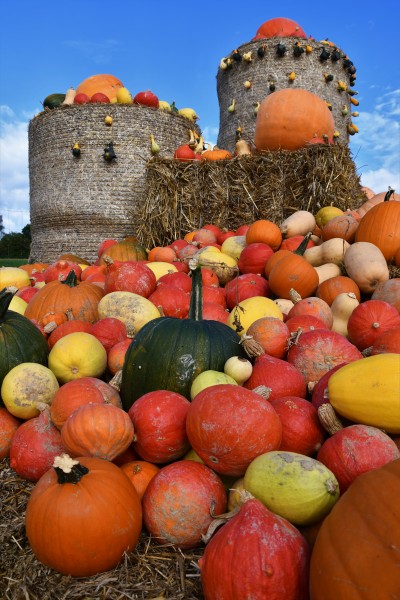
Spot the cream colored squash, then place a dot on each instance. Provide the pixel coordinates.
(77, 355)
(24, 386)
(366, 265)
(327, 271)
(299, 223)
(331, 251)
(367, 391)
(342, 307)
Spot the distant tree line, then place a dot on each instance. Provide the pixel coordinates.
(16, 245)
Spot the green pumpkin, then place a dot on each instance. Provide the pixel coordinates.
(20, 340)
(168, 353)
(53, 100)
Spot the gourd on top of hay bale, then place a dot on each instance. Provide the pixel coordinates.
(265, 65)
(79, 193)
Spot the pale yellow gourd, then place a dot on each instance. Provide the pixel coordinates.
(233, 246)
(327, 271)
(366, 265)
(331, 251)
(367, 391)
(342, 307)
(299, 223)
(69, 96)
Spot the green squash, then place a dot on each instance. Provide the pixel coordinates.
(20, 340)
(53, 100)
(168, 353)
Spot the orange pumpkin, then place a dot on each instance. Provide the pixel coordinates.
(279, 27)
(332, 287)
(106, 84)
(216, 154)
(82, 516)
(31, 268)
(293, 272)
(356, 551)
(125, 251)
(376, 199)
(8, 426)
(381, 226)
(140, 473)
(266, 232)
(343, 226)
(289, 118)
(59, 296)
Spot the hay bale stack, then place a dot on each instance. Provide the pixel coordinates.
(274, 69)
(75, 203)
(181, 197)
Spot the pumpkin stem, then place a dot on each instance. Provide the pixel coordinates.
(196, 295)
(303, 244)
(71, 279)
(263, 390)
(116, 381)
(389, 194)
(6, 295)
(329, 419)
(251, 346)
(219, 520)
(68, 470)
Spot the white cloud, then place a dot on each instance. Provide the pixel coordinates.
(376, 149)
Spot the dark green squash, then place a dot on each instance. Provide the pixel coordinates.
(53, 100)
(168, 353)
(20, 340)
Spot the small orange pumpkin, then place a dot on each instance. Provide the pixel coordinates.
(216, 154)
(293, 272)
(264, 231)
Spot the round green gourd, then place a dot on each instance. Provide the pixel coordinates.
(20, 340)
(168, 353)
(53, 100)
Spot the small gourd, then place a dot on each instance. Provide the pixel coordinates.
(342, 307)
(69, 97)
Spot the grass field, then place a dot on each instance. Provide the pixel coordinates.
(12, 262)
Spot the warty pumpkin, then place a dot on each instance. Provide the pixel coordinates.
(82, 516)
(168, 353)
(355, 556)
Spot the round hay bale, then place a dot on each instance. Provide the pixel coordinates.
(324, 77)
(76, 202)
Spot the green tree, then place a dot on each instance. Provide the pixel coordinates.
(16, 245)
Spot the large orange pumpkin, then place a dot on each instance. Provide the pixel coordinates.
(356, 553)
(279, 27)
(82, 516)
(289, 118)
(381, 226)
(106, 84)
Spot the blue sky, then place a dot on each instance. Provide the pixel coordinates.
(174, 48)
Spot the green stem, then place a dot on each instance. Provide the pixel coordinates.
(196, 296)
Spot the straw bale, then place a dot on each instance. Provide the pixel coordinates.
(181, 197)
(75, 203)
(261, 72)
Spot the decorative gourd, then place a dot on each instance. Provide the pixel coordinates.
(140, 473)
(58, 296)
(299, 223)
(297, 487)
(159, 420)
(342, 308)
(340, 566)
(381, 226)
(100, 430)
(178, 503)
(15, 331)
(289, 118)
(83, 516)
(193, 345)
(368, 390)
(24, 386)
(256, 553)
(330, 251)
(366, 265)
(222, 425)
(107, 84)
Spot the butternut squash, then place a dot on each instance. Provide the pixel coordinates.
(367, 391)
(299, 223)
(69, 96)
(366, 265)
(327, 271)
(342, 307)
(331, 251)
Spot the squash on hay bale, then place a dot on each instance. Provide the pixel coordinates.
(180, 197)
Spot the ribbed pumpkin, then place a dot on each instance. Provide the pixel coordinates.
(293, 272)
(356, 556)
(58, 296)
(381, 226)
(20, 340)
(168, 353)
(289, 118)
(368, 390)
(124, 251)
(82, 516)
(107, 84)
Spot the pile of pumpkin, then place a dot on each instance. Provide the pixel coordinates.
(236, 389)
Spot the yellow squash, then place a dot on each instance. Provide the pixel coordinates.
(367, 391)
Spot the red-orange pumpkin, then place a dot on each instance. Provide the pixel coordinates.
(389, 341)
(369, 320)
(315, 307)
(281, 378)
(302, 431)
(293, 272)
(287, 119)
(245, 286)
(389, 291)
(140, 473)
(228, 426)
(178, 502)
(8, 426)
(257, 555)
(332, 287)
(266, 232)
(340, 567)
(272, 334)
(279, 27)
(82, 517)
